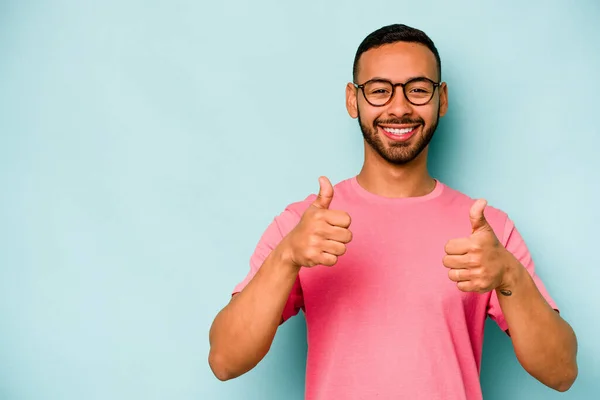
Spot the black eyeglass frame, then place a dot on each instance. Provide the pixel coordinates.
(402, 85)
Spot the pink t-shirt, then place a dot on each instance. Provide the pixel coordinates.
(386, 322)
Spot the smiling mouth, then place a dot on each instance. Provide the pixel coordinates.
(399, 131)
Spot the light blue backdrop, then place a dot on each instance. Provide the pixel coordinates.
(144, 147)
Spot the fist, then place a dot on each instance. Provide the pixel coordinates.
(322, 234)
(477, 263)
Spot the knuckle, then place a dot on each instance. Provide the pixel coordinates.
(481, 286)
(312, 254)
(474, 260)
(319, 214)
(319, 230)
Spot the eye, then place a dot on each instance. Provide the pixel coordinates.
(378, 88)
(380, 91)
(419, 89)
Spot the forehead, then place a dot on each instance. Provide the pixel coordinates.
(397, 62)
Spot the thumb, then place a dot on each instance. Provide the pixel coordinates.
(325, 196)
(478, 221)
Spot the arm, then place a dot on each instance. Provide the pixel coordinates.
(243, 331)
(544, 343)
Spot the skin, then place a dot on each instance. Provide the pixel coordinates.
(243, 331)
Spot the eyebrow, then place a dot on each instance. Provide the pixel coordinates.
(377, 78)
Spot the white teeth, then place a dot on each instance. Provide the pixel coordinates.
(395, 131)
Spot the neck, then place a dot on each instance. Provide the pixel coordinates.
(389, 180)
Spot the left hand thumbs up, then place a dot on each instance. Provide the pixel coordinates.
(477, 263)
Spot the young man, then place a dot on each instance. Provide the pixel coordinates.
(395, 271)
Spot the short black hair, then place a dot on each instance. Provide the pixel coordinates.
(392, 34)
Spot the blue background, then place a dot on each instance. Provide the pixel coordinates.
(145, 145)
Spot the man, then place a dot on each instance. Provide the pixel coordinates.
(395, 271)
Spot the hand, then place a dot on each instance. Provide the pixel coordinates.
(478, 263)
(321, 234)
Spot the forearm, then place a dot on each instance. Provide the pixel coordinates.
(243, 331)
(544, 343)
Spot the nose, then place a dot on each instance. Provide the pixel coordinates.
(399, 105)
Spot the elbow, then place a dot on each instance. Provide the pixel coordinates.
(561, 378)
(566, 383)
(563, 386)
(219, 367)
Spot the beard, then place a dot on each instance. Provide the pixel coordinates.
(399, 153)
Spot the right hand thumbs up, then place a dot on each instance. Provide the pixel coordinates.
(322, 234)
(325, 195)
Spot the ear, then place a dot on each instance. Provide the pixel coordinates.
(351, 100)
(443, 99)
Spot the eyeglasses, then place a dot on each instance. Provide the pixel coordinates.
(379, 92)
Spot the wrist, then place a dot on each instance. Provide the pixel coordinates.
(513, 275)
(284, 256)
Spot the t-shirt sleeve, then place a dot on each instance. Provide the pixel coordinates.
(514, 243)
(270, 238)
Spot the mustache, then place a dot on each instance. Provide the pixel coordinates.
(398, 121)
